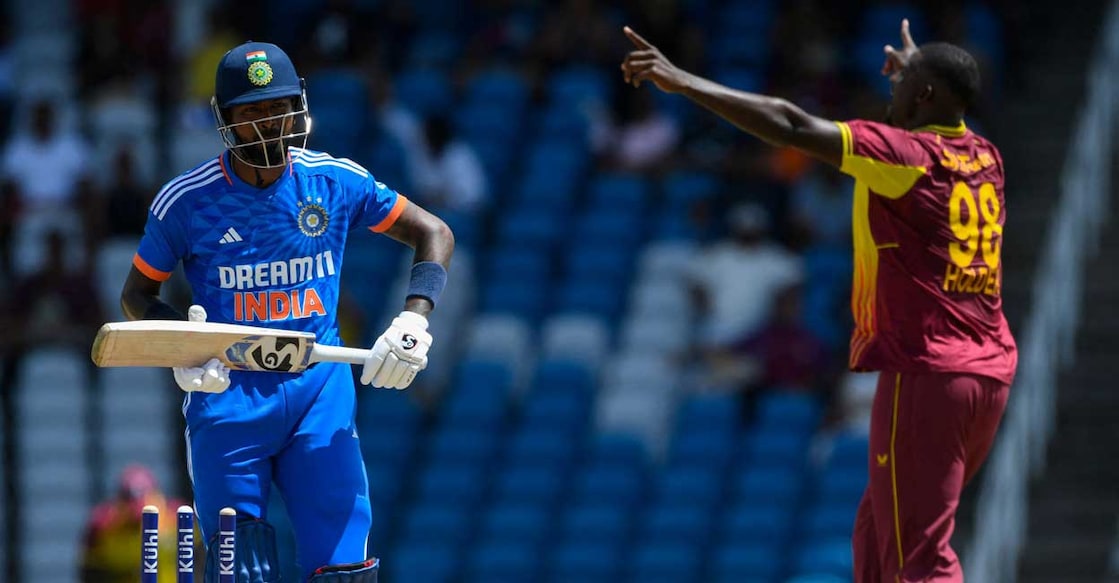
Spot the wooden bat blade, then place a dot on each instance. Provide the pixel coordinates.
(170, 343)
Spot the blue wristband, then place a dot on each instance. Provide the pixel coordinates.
(428, 280)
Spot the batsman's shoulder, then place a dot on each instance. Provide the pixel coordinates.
(322, 163)
(182, 186)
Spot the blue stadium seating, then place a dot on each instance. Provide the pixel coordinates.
(792, 410)
(754, 521)
(511, 295)
(678, 562)
(425, 91)
(449, 484)
(712, 448)
(607, 264)
(610, 228)
(596, 521)
(423, 561)
(617, 449)
(781, 487)
(503, 560)
(518, 261)
(676, 520)
(551, 444)
(530, 483)
(614, 484)
(463, 444)
(438, 522)
(842, 484)
(499, 86)
(828, 520)
(627, 193)
(576, 84)
(588, 295)
(581, 560)
(700, 486)
(681, 188)
(849, 450)
(565, 376)
(532, 227)
(527, 522)
(714, 412)
(762, 561)
(776, 447)
(832, 557)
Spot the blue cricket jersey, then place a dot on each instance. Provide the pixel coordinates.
(265, 257)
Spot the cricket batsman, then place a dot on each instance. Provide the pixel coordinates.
(928, 222)
(260, 231)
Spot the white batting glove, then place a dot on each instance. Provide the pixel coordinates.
(212, 377)
(399, 354)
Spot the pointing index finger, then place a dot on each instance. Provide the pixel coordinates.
(906, 39)
(636, 39)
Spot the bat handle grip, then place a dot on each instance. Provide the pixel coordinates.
(325, 353)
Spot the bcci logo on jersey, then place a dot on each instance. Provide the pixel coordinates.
(312, 219)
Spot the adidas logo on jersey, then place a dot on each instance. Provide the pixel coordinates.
(231, 236)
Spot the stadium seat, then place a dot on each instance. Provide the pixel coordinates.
(681, 187)
(830, 557)
(530, 228)
(818, 578)
(587, 295)
(527, 263)
(605, 263)
(530, 483)
(425, 91)
(503, 560)
(775, 447)
(437, 522)
(499, 86)
(699, 486)
(544, 445)
(433, 48)
(781, 487)
(611, 484)
(849, 450)
(562, 375)
(676, 520)
(762, 561)
(791, 410)
(562, 121)
(564, 413)
(757, 522)
(583, 560)
(451, 484)
(513, 296)
(842, 484)
(463, 444)
(501, 338)
(829, 520)
(387, 445)
(576, 84)
(582, 338)
(617, 449)
(712, 448)
(613, 229)
(423, 561)
(518, 521)
(678, 562)
(596, 521)
(619, 193)
(487, 120)
(666, 337)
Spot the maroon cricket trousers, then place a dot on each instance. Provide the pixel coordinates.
(929, 434)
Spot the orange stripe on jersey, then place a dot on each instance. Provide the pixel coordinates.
(865, 280)
(149, 271)
(387, 222)
(221, 160)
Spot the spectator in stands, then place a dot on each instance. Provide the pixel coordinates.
(46, 171)
(641, 139)
(126, 199)
(790, 354)
(446, 172)
(111, 542)
(736, 280)
(821, 207)
(54, 306)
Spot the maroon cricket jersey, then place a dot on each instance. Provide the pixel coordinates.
(927, 221)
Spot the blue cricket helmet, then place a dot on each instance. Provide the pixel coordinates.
(253, 72)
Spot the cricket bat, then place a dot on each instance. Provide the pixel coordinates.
(174, 343)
